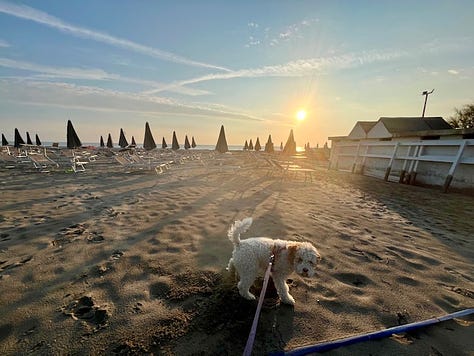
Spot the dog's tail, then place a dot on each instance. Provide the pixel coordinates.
(239, 227)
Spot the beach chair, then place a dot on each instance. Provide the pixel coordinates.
(292, 169)
(42, 162)
(274, 167)
(78, 166)
(161, 168)
(8, 160)
(226, 163)
(308, 172)
(78, 163)
(127, 162)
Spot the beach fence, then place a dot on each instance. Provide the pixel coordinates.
(442, 163)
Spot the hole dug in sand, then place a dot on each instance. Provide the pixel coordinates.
(84, 309)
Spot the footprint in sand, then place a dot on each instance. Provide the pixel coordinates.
(69, 234)
(353, 279)
(4, 265)
(84, 309)
(458, 274)
(407, 281)
(95, 237)
(137, 307)
(116, 255)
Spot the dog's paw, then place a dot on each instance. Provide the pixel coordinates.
(288, 299)
(248, 296)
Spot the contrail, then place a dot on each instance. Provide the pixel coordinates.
(297, 68)
(29, 13)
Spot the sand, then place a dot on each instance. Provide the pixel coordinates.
(123, 261)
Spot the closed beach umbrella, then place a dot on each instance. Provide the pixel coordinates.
(193, 143)
(250, 145)
(102, 144)
(281, 146)
(18, 139)
(290, 146)
(163, 143)
(148, 141)
(73, 140)
(221, 145)
(187, 146)
(174, 144)
(38, 141)
(246, 146)
(28, 139)
(122, 140)
(133, 144)
(258, 147)
(109, 142)
(269, 145)
(4, 141)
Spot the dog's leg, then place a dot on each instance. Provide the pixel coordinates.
(230, 266)
(283, 289)
(246, 281)
(232, 271)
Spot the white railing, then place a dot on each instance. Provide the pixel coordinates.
(406, 158)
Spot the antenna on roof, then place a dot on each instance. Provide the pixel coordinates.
(426, 93)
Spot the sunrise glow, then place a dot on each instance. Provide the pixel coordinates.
(301, 115)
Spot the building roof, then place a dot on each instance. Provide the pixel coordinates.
(406, 124)
(361, 128)
(366, 125)
(387, 127)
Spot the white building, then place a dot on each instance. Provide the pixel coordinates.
(409, 150)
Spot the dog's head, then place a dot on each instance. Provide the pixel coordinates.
(305, 258)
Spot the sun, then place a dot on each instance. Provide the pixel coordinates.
(301, 115)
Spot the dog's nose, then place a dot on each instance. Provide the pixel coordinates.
(305, 270)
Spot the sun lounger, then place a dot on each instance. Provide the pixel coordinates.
(274, 167)
(42, 162)
(287, 169)
(70, 159)
(79, 166)
(8, 161)
(127, 162)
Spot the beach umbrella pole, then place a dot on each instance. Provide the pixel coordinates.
(330, 345)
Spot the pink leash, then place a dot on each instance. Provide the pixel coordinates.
(253, 330)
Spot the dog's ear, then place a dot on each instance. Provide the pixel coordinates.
(292, 249)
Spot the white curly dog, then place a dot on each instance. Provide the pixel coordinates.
(251, 256)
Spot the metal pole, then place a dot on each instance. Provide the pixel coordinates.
(425, 93)
(331, 345)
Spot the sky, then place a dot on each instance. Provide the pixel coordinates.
(191, 66)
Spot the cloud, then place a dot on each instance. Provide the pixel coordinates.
(91, 74)
(29, 13)
(72, 73)
(68, 95)
(449, 44)
(289, 32)
(272, 38)
(4, 43)
(252, 42)
(453, 71)
(299, 68)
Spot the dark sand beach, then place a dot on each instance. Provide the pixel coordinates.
(117, 261)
